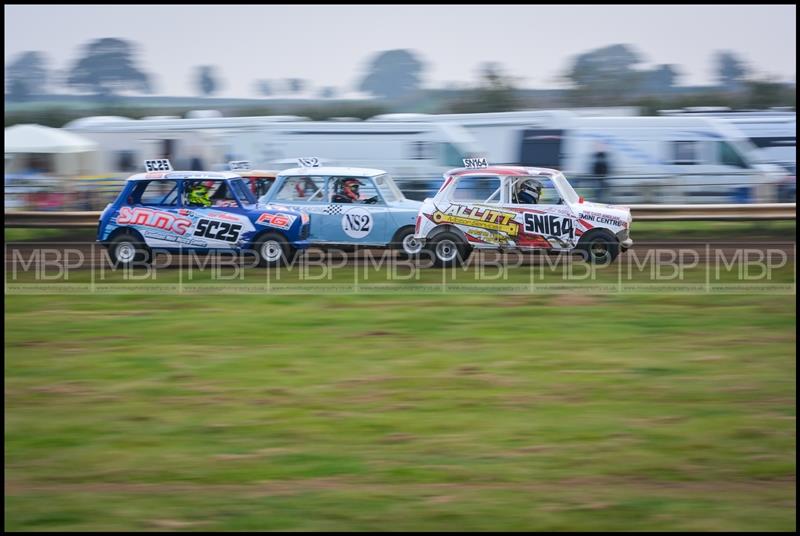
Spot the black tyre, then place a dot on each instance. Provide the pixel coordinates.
(404, 242)
(448, 249)
(599, 248)
(128, 250)
(272, 249)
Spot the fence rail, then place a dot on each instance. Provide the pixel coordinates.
(764, 211)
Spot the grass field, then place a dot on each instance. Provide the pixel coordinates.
(537, 412)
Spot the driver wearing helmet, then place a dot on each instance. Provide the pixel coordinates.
(528, 192)
(199, 194)
(346, 191)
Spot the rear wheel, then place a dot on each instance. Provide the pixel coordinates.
(128, 250)
(448, 249)
(273, 249)
(405, 242)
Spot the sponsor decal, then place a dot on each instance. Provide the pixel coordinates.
(602, 219)
(484, 235)
(357, 222)
(222, 216)
(218, 230)
(226, 203)
(483, 217)
(159, 235)
(281, 221)
(532, 241)
(549, 225)
(158, 219)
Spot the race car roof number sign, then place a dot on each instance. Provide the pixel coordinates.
(308, 162)
(475, 163)
(240, 165)
(161, 164)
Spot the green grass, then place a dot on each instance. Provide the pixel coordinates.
(360, 412)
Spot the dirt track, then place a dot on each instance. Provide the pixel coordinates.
(88, 255)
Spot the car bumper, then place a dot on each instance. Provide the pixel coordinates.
(626, 244)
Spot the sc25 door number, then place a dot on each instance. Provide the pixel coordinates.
(218, 230)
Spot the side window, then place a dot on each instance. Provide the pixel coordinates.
(208, 193)
(477, 190)
(534, 190)
(358, 190)
(161, 193)
(729, 156)
(549, 193)
(685, 153)
(242, 191)
(302, 189)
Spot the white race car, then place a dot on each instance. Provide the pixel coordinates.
(513, 207)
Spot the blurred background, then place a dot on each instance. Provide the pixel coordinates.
(630, 111)
(658, 393)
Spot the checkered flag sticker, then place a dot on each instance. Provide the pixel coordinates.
(332, 210)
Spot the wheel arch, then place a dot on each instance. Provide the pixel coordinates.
(447, 228)
(597, 231)
(400, 231)
(263, 232)
(119, 231)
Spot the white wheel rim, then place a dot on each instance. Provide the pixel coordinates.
(126, 251)
(271, 250)
(446, 250)
(411, 245)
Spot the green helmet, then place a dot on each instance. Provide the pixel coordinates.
(198, 194)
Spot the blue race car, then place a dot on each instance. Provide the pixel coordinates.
(179, 211)
(349, 206)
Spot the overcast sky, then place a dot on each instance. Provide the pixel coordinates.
(331, 45)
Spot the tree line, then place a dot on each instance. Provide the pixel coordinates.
(607, 76)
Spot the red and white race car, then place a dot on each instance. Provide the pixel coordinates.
(514, 207)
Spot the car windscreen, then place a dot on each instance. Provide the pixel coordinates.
(388, 189)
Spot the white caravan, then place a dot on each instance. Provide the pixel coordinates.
(415, 153)
(650, 159)
(773, 131)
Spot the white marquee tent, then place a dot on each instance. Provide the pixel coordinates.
(61, 152)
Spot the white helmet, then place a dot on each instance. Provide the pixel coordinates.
(529, 191)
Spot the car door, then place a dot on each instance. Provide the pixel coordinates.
(152, 209)
(307, 194)
(551, 223)
(222, 224)
(357, 222)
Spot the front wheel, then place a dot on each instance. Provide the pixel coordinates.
(448, 249)
(600, 249)
(127, 250)
(273, 249)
